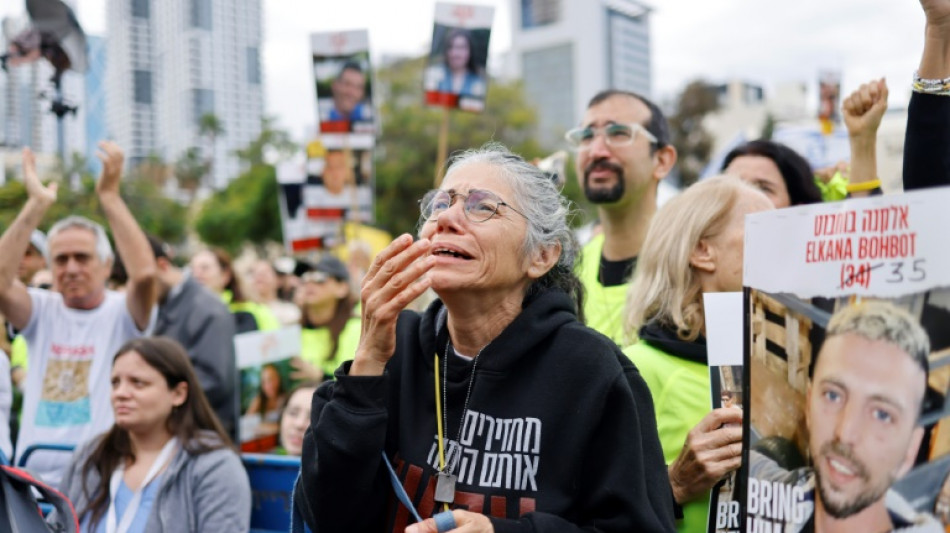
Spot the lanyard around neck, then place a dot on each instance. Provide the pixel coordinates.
(130, 510)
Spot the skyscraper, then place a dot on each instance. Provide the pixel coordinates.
(170, 63)
(93, 107)
(566, 51)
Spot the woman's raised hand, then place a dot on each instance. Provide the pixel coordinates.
(394, 280)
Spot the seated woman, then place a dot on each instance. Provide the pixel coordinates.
(166, 464)
(331, 327)
(497, 401)
(295, 419)
(213, 269)
(694, 246)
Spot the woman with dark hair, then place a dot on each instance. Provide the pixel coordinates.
(166, 464)
(270, 399)
(331, 326)
(496, 403)
(213, 268)
(775, 169)
(458, 74)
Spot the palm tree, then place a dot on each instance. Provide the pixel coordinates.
(210, 127)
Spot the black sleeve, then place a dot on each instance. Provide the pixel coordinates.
(927, 142)
(342, 484)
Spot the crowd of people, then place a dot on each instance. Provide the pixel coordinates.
(546, 386)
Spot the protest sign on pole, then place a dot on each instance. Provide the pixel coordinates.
(343, 78)
(455, 76)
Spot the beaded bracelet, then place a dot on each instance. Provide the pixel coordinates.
(931, 86)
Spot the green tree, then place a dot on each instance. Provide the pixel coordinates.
(406, 153)
(693, 143)
(210, 127)
(189, 170)
(245, 211)
(155, 213)
(271, 141)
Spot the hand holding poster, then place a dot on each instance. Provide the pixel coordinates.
(848, 366)
(456, 75)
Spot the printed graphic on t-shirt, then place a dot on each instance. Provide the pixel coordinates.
(65, 399)
(494, 453)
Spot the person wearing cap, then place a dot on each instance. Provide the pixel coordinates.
(331, 325)
(34, 259)
(196, 318)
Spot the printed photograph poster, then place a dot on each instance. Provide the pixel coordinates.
(456, 75)
(724, 349)
(847, 365)
(313, 217)
(343, 77)
(339, 184)
(263, 360)
(301, 234)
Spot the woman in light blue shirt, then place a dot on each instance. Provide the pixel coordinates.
(166, 464)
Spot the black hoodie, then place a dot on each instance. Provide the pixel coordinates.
(560, 434)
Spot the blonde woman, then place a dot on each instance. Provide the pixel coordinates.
(694, 245)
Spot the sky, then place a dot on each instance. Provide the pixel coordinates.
(766, 42)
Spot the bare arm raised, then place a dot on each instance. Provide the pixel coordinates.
(130, 240)
(392, 283)
(15, 302)
(862, 111)
(935, 61)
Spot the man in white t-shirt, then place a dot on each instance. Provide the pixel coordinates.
(74, 333)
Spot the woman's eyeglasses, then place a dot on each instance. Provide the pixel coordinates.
(478, 205)
(614, 135)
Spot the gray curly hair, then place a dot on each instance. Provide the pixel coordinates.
(547, 211)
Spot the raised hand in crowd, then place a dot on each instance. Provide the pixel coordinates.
(35, 189)
(862, 111)
(130, 240)
(14, 300)
(713, 448)
(394, 280)
(935, 62)
(926, 159)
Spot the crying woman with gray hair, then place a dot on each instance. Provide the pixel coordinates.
(496, 409)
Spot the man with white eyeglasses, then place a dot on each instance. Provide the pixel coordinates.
(622, 150)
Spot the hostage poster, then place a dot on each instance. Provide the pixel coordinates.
(847, 361)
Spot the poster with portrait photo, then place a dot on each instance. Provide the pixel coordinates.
(339, 186)
(343, 77)
(456, 75)
(264, 367)
(301, 233)
(847, 361)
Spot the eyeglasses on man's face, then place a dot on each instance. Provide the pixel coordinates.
(615, 135)
(478, 205)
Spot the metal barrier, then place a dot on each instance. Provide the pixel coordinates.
(51, 447)
(272, 483)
